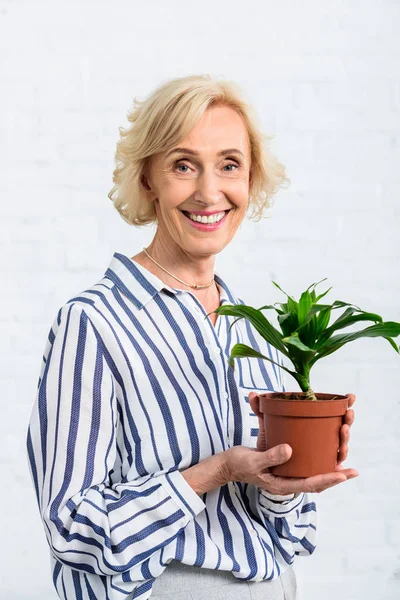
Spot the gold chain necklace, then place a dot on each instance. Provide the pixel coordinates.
(197, 287)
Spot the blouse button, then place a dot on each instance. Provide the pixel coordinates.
(258, 579)
(217, 350)
(254, 532)
(226, 395)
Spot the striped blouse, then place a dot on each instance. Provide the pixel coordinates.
(135, 387)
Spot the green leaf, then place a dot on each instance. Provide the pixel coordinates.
(294, 340)
(267, 306)
(387, 330)
(241, 351)
(318, 307)
(315, 284)
(308, 332)
(322, 321)
(279, 288)
(304, 306)
(238, 319)
(283, 306)
(292, 305)
(349, 311)
(288, 323)
(346, 321)
(393, 344)
(258, 320)
(322, 295)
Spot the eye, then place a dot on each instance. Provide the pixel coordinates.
(235, 164)
(232, 165)
(179, 164)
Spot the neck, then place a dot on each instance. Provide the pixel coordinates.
(191, 270)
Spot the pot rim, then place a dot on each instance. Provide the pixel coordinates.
(321, 396)
(275, 403)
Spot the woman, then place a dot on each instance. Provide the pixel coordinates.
(141, 440)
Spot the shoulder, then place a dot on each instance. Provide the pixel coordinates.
(92, 305)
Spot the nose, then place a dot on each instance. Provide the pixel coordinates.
(208, 189)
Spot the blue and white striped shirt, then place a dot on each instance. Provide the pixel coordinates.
(134, 387)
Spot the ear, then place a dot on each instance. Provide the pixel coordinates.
(146, 185)
(144, 182)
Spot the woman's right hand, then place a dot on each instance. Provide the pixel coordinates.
(251, 466)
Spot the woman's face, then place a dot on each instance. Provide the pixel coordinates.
(201, 178)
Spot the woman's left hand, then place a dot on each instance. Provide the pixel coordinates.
(344, 433)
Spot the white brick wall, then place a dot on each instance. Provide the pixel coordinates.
(325, 77)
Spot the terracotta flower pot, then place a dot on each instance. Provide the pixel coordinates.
(310, 427)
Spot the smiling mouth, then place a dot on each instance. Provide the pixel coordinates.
(187, 213)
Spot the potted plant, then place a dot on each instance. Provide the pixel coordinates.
(308, 421)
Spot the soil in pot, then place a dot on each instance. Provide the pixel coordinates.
(310, 427)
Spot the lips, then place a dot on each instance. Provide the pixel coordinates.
(199, 225)
(187, 213)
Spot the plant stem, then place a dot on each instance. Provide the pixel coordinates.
(303, 379)
(310, 395)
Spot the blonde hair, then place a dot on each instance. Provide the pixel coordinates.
(164, 119)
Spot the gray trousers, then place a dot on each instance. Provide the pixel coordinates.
(186, 582)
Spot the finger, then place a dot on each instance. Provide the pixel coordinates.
(315, 484)
(344, 442)
(344, 435)
(350, 474)
(318, 483)
(290, 485)
(325, 487)
(349, 417)
(352, 399)
(254, 403)
(343, 454)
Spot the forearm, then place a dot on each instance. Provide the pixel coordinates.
(208, 474)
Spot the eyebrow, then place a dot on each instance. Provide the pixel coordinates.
(194, 153)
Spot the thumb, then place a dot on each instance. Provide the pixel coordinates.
(276, 455)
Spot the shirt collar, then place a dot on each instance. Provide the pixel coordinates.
(140, 285)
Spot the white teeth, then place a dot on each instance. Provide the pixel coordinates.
(203, 219)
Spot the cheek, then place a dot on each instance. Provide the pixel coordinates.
(239, 191)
